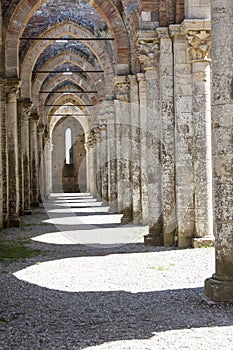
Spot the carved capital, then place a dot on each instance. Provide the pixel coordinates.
(148, 49)
(103, 126)
(12, 89)
(122, 88)
(199, 44)
(26, 110)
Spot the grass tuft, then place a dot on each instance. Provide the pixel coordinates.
(17, 249)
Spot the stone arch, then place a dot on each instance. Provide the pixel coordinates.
(86, 85)
(37, 48)
(55, 62)
(60, 99)
(68, 177)
(25, 9)
(94, 78)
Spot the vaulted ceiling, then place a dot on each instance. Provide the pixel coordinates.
(98, 43)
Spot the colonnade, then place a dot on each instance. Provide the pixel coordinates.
(22, 144)
(159, 154)
(150, 157)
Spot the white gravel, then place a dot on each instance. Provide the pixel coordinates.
(114, 297)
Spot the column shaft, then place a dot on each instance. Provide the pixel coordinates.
(34, 161)
(203, 158)
(167, 137)
(112, 159)
(143, 148)
(25, 154)
(220, 286)
(3, 158)
(184, 180)
(13, 151)
(135, 150)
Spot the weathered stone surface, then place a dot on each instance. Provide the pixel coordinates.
(220, 286)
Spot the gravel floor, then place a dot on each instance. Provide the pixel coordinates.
(108, 293)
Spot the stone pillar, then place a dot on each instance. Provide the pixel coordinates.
(12, 91)
(20, 171)
(143, 148)
(184, 180)
(91, 163)
(135, 149)
(112, 159)
(34, 160)
(48, 168)
(104, 164)
(25, 161)
(198, 47)
(98, 177)
(123, 127)
(167, 136)
(3, 158)
(40, 132)
(149, 56)
(220, 286)
(87, 149)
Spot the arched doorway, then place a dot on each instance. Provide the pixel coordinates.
(68, 156)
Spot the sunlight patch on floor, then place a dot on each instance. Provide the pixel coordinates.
(134, 273)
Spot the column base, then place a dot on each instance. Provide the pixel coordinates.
(137, 219)
(219, 290)
(112, 209)
(27, 212)
(5, 223)
(13, 222)
(126, 220)
(203, 242)
(35, 204)
(153, 240)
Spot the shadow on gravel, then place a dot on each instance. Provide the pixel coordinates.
(54, 320)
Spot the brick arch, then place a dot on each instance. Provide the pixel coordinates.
(65, 28)
(86, 85)
(52, 64)
(25, 9)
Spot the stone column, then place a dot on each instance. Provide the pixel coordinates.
(91, 144)
(34, 160)
(104, 167)
(112, 158)
(25, 161)
(87, 149)
(20, 171)
(183, 122)
(3, 157)
(143, 149)
(123, 137)
(48, 168)
(135, 149)
(167, 136)
(12, 91)
(98, 177)
(149, 56)
(220, 286)
(95, 164)
(198, 47)
(40, 132)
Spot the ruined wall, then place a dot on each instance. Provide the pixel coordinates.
(65, 176)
